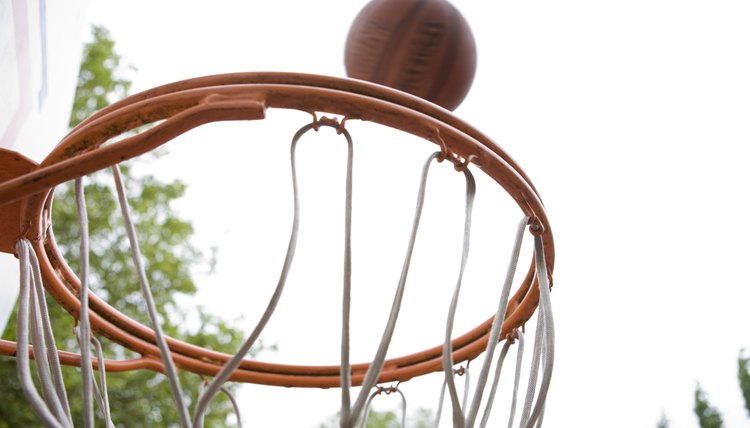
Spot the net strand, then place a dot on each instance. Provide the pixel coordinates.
(51, 358)
(201, 391)
(517, 378)
(223, 375)
(544, 345)
(376, 365)
(366, 412)
(548, 345)
(497, 323)
(38, 405)
(101, 392)
(541, 417)
(403, 408)
(467, 385)
(533, 373)
(441, 400)
(232, 400)
(166, 356)
(345, 371)
(458, 415)
(87, 372)
(516, 381)
(49, 394)
(495, 383)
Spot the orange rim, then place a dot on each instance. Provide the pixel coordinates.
(184, 105)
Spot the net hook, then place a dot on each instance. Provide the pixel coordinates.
(444, 153)
(329, 121)
(535, 226)
(315, 122)
(460, 371)
(461, 166)
(387, 390)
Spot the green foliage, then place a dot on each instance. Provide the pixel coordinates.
(383, 420)
(420, 418)
(743, 372)
(142, 398)
(708, 417)
(99, 81)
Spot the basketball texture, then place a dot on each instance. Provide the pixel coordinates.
(423, 47)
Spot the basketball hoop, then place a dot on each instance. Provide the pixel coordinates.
(173, 109)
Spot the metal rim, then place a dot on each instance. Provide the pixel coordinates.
(184, 105)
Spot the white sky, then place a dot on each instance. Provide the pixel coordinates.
(632, 120)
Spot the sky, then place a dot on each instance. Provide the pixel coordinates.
(631, 118)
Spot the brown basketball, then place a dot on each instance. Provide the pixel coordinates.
(423, 47)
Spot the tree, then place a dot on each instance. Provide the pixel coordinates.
(100, 80)
(708, 417)
(743, 373)
(139, 399)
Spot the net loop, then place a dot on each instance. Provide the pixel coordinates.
(215, 385)
(387, 390)
(84, 333)
(470, 192)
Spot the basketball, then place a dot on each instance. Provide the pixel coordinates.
(423, 47)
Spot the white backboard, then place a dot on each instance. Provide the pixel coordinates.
(40, 53)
